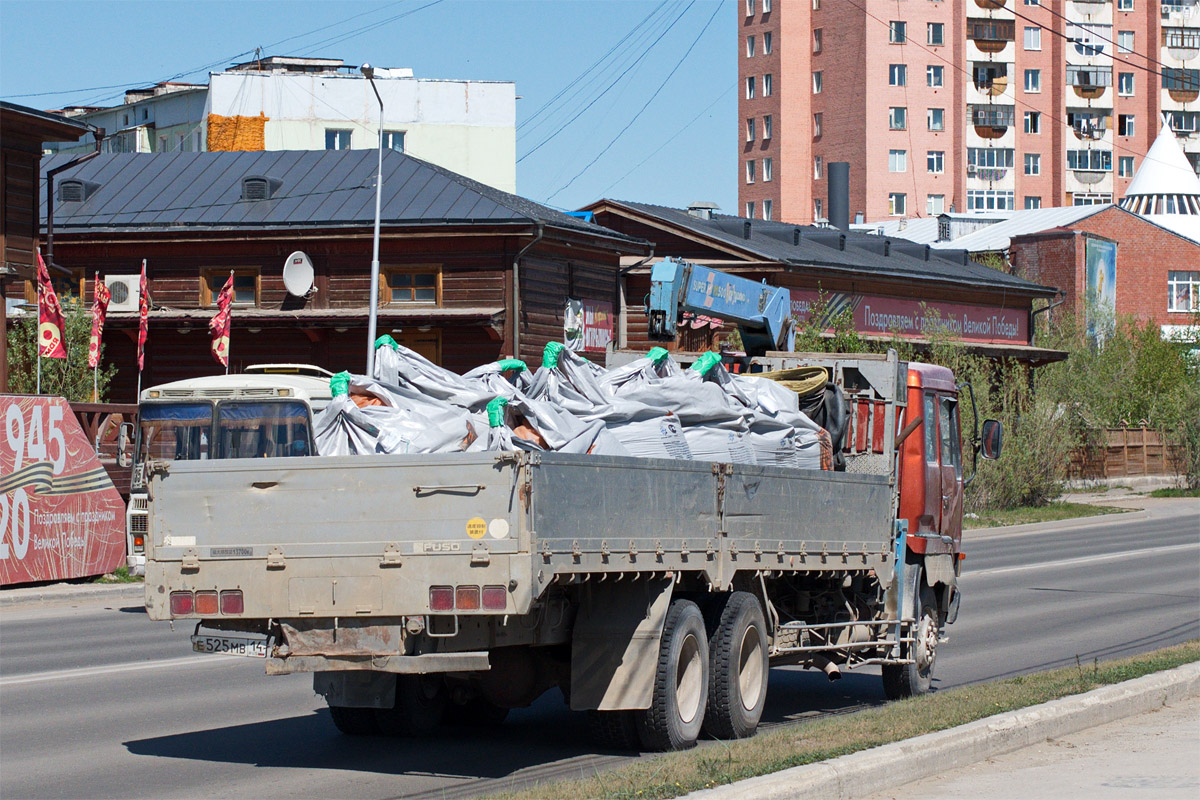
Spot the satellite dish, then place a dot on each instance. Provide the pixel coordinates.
(298, 274)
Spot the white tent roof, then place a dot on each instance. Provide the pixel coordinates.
(1165, 170)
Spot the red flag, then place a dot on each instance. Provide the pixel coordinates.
(50, 319)
(101, 296)
(218, 326)
(143, 317)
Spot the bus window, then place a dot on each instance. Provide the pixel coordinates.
(175, 431)
(273, 429)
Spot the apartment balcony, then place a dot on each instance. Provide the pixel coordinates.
(1090, 177)
(1180, 11)
(1091, 124)
(991, 35)
(1182, 43)
(990, 5)
(1089, 82)
(1182, 85)
(992, 121)
(987, 174)
(990, 77)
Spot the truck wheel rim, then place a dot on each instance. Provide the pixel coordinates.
(750, 667)
(689, 679)
(927, 636)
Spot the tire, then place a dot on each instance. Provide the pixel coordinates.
(680, 695)
(910, 680)
(354, 721)
(420, 706)
(614, 730)
(738, 669)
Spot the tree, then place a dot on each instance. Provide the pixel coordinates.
(68, 377)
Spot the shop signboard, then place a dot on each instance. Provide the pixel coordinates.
(910, 317)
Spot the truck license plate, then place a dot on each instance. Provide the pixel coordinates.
(230, 645)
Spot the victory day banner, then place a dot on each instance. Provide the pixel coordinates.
(60, 516)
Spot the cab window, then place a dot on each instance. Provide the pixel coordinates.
(948, 424)
(931, 453)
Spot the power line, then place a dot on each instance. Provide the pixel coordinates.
(608, 88)
(1088, 26)
(661, 86)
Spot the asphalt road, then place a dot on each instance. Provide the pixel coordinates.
(100, 702)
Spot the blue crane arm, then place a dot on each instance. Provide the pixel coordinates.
(762, 312)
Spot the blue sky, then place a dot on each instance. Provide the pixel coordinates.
(678, 149)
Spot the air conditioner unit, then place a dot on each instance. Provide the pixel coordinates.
(971, 169)
(124, 289)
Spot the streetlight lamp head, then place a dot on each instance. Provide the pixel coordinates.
(368, 71)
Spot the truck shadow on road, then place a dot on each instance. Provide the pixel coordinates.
(542, 734)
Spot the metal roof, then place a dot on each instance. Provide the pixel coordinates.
(997, 237)
(319, 189)
(863, 254)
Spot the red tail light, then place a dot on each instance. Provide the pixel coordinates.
(466, 598)
(139, 543)
(495, 598)
(181, 604)
(206, 602)
(232, 602)
(441, 598)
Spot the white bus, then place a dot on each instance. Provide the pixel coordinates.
(265, 411)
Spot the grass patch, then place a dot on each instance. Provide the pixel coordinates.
(1051, 512)
(119, 575)
(676, 774)
(1175, 493)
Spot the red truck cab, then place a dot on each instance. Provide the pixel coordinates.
(931, 463)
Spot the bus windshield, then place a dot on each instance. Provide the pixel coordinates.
(262, 430)
(175, 431)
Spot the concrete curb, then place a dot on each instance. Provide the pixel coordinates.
(10, 598)
(892, 765)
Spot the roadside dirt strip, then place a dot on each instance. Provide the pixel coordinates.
(68, 592)
(893, 765)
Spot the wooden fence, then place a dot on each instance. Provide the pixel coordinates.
(1125, 452)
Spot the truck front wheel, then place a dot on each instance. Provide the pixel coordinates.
(354, 721)
(737, 689)
(909, 680)
(420, 706)
(680, 695)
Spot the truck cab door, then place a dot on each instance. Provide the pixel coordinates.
(950, 468)
(929, 522)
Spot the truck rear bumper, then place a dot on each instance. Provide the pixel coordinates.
(425, 664)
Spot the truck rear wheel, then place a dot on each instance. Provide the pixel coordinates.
(909, 680)
(737, 652)
(614, 730)
(680, 695)
(420, 705)
(354, 721)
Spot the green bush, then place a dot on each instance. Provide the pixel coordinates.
(68, 377)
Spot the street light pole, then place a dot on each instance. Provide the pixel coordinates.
(372, 320)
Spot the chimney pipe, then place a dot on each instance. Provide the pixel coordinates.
(795, 237)
(746, 229)
(839, 194)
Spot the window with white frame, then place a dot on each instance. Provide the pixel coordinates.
(935, 33)
(1124, 41)
(1033, 163)
(1183, 291)
(1091, 198)
(1090, 160)
(1185, 122)
(818, 168)
(897, 161)
(1033, 80)
(897, 75)
(934, 75)
(935, 119)
(816, 5)
(817, 36)
(818, 205)
(817, 118)
(989, 200)
(768, 85)
(750, 129)
(393, 140)
(1125, 166)
(1033, 38)
(768, 170)
(897, 118)
(1124, 5)
(767, 120)
(1033, 122)
(750, 88)
(897, 203)
(1090, 39)
(750, 171)
(990, 157)
(1125, 124)
(935, 204)
(766, 6)
(767, 47)
(749, 8)
(897, 32)
(750, 210)
(749, 47)
(337, 139)
(818, 81)
(1125, 84)
(767, 210)
(1032, 202)
(935, 161)
(1033, 2)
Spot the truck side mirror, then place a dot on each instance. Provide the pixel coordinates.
(124, 435)
(991, 439)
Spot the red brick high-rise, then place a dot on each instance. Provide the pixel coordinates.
(964, 104)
